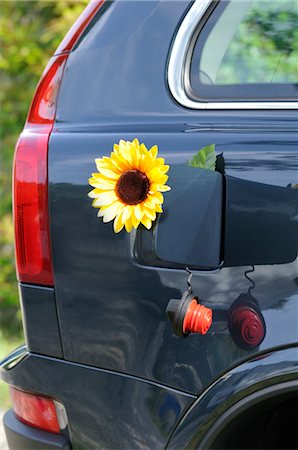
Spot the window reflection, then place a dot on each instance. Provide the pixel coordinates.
(264, 47)
(246, 50)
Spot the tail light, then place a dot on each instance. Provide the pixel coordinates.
(38, 412)
(30, 182)
(80, 25)
(30, 179)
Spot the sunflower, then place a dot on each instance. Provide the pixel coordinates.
(129, 184)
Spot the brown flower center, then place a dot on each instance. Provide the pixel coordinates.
(132, 187)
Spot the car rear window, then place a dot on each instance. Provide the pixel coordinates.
(247, 50)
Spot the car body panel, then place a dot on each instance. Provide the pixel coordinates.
(40, 320)
(125, 328)
(257, 378)
(104, 409)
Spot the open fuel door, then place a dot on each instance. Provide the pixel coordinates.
(189, 231)
(213, 220)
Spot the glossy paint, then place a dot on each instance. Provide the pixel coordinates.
(255, 378)
(112, 311)
(261, 226)
(121, 358)
(193, 220)
(104, 409)
(111, 308)
(40, 320)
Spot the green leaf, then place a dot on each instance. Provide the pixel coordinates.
(205, 158)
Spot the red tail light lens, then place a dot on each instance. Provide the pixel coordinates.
(33, 252)
(30, 202)
(79, 26)
(34, 410)
(43, 106)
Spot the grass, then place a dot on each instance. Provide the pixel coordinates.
(7, 344)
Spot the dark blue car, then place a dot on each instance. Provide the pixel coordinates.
(156, 222)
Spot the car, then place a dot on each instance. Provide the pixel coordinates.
(162, 311)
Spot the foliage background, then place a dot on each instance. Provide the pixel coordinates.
(30, 31)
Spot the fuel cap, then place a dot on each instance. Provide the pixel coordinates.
(188, 315)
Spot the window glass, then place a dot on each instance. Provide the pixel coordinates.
(248, 44)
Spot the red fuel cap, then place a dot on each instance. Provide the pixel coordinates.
(246, 324)
(198, 318)
(188, 315)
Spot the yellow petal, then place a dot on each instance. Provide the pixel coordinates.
(135, 160)
(96, 175)
(120, 163)
(146, 163)
(135, 221)
(138, 212)
(143, 149)
(164, 188)
(109, 173)
(153, 151)
(150, 213)
(95, 184)
(96, 203)
(106, 159)
(126, 213)
(151, 200)
(155, 176)
(118, 224)
(158, 209)
(146, 222)
(111, 211)
(128, 225)
(159, 196)
(104, 187)
(101, 211)
(106, 198)
(103, 184)
(94, 193)
(100, 177)
(136, 143)
(159, 162)
(106, 165)
(125, 150)
(98, 160)
(159, 187)
(122, 143)
(164, 168)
